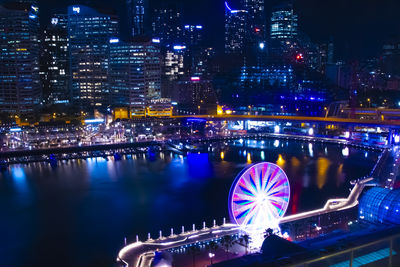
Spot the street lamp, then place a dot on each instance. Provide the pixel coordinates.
(211, 256)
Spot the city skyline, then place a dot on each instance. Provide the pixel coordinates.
(358, 28)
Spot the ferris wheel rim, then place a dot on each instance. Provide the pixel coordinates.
(240, 176)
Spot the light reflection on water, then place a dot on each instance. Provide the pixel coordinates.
(87, 207)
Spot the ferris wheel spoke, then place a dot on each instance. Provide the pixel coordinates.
(260, 196)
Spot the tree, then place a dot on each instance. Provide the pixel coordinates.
(244, 241)
(193, 251)
(227, 242)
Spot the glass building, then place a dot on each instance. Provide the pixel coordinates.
(380, 205)
(89, 32)
(137, 16)
(167, 24)
(284, 23)
(235, 30)
(20, 88)
(135, 74)
(55, 61)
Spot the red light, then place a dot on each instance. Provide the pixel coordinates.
(257, 29)
(299, 56)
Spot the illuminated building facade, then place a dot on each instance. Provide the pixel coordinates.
(194, 94)
(192, 35)
(235, 30)
(255, 22)
(55, 61)
(20, 88)
(135, 74)
(167, 24)
(284, 23)
(89, 38)
(283, 34)
(138, 16)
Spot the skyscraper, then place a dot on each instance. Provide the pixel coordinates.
(135, 74)
(283, 43)
(55, 61)
(167, 24)
(256, 20)
(138, 16)
(235, 30)
(90, 33)
(284, 23)
(20, 89)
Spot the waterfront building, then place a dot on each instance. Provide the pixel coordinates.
(134, 74)
(160, 107)
(235, 30)
(20, 87)
(167, 25)
(195, 94)
(138, 17)
(55, 61)
(89, 32)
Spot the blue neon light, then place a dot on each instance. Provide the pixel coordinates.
(94, 121)
(227, 6)
(15, 130)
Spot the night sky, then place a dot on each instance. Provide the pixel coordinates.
(358, 27)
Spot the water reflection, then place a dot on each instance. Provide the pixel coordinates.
(80, 199)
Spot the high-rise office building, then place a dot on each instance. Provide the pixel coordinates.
(20, 89)
(138, 17)
(284, 23)
(135, 74)
(55, 61)
(167, 24)
(90, 32)
(192, 35)
(283, 44)
(235, 30)
(256, 21)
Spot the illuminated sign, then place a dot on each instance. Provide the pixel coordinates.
(199, 27)
(76, 9)
(114, 40)
(15, 130)
(54, 21)
(193, 79)
(94, 121)
(156, 40)
(179, 47)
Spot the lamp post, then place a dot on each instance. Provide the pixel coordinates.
(211, 256)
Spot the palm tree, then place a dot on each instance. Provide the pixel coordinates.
(227, 242)
(244, 240)
(193, 251)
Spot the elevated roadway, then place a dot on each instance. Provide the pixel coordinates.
(328, 120)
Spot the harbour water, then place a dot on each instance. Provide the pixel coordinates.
(78, 213)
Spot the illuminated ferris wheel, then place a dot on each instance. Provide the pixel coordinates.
(259, 197)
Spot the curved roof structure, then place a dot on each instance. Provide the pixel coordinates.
(380, 205)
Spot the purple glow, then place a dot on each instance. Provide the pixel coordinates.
(259, 196)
